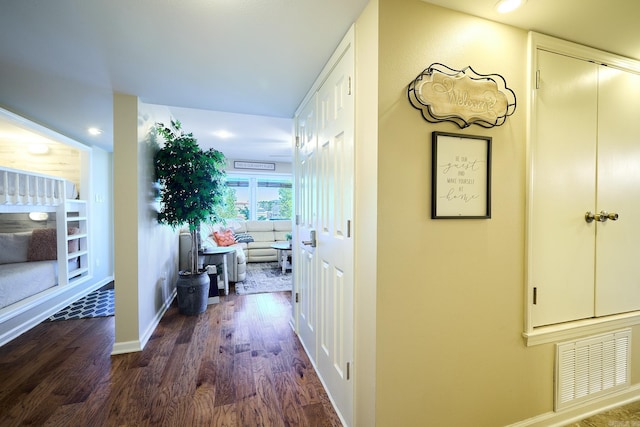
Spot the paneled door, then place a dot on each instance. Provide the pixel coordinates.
(335, 245)
(562, 254)
(304, 258)
(617, 267)
(324, 169)
(585, 192)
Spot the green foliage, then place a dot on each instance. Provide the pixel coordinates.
(286, 204)
(244, 212)
(228, 209)
(266, 205)
(192, 181)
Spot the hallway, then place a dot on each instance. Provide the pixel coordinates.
(237, 364)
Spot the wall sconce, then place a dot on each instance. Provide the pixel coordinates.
(38, 216)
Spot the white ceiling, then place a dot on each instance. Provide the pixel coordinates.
(61, 60)
(610, 25)
(238, 65)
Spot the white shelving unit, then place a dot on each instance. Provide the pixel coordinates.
(75, 216)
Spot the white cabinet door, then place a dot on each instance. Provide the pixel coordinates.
(562, 189)
(618, 184)
(585, 157)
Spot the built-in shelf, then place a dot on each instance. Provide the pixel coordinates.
(75, 215)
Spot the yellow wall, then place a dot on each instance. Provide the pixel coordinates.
(450, 292)
(125, 195)
(146, 253)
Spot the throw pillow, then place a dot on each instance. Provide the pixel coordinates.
(43, 245)
(244, 238)
(224, 238)
(14, 247)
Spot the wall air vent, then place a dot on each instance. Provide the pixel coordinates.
(592, 367)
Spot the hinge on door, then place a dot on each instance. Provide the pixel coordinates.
(348, 228)
(535, 296)
(297, 219)
(349, 89)
(297, 297)
(297, 141)
(537, 79)
(348, 371)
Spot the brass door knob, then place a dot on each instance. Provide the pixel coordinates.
(600, 217)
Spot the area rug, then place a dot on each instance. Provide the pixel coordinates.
(99, 303)
(264, 277)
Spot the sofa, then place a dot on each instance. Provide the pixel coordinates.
(251, 240)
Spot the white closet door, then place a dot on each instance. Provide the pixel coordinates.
(335, 245)
(563, 188)
(324, 171)
(618, 264)
(305, 266)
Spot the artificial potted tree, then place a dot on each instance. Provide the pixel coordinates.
(191, 188)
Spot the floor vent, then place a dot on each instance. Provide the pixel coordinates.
(592, 367)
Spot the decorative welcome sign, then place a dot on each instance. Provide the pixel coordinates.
(463, 97)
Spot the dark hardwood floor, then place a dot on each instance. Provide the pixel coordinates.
(237, 364)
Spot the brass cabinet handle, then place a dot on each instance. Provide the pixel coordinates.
(600, 217)
(613, 216)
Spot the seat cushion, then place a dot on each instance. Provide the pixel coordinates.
(260, 245)
(239, 227)
(282, 225)
(254, 226)
(262, 236)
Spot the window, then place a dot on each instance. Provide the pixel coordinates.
(237, 200)
(273, 199)
(261, 198)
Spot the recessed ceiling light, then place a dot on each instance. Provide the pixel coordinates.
(95, 131)
(506, 6)
(223, 134)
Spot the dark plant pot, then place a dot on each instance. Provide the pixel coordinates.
(193, 293)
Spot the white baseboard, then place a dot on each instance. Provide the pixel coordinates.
(31, 313)
(126, 347)
(587, 409)
(138, 345)
(156, 320)
(324, 385)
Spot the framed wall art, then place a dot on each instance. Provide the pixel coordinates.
(460, 176)
(255, 166)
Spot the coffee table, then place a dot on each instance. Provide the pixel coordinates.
(284, 253)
